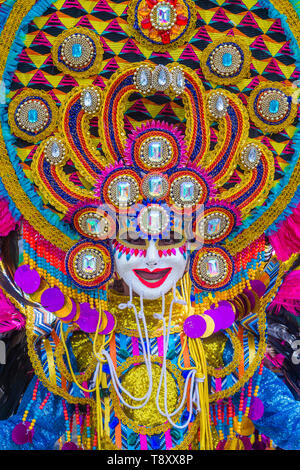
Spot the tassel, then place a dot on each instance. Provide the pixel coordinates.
(198, 355)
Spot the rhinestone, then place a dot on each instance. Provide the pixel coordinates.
(89, 264)
(144, 81)
(55, 150)
(93, 225)
(180, 79)
(217, 105)
(252, 155)
(187, 191)
(164, 15)
(154, 220)
(227, 59)
(155, 151)
(162, 77)
(123, 191)
(220, 104)
(88, 99)
(274, 106)
(156, 186)
(32, 115)
(76, 50)
(212, 267)
(213, 226)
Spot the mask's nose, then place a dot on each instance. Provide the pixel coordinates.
(151, 255)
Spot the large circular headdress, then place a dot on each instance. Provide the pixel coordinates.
(156, 109)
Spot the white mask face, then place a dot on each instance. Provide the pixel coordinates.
(151, 276)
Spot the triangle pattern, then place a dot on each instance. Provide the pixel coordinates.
(272, 71)
(41, 40)
(220, 16)
(130, 50)
(85, 23)
(54, 21)
(39, 81)
(104, 11)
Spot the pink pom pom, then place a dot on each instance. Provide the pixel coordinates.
(286, 239)
(10, 317)
(7, 222)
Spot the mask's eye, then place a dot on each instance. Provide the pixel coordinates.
(173, 239)
(132, 239)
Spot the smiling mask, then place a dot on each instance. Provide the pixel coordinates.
(151, 275)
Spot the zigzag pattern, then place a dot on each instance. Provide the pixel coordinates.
(272, 57)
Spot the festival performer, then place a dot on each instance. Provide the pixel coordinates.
(150, 168)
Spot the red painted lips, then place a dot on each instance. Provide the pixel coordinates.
(153, 278)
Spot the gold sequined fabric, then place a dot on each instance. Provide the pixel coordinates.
(82, 349)
(136, 381)
(214, 348)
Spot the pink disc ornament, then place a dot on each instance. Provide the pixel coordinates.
(53, 299)
(110, 323)
(21, 434)
(223, 315)
(27, 279)
(194, 326)
(69, 446)
(258, 287)
(88, 319)
(72, 314)
(256, 409)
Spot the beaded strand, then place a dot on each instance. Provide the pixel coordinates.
(31, 402)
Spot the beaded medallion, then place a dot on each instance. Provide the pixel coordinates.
(153, 219)
(226, 62)
(55, 151)
(106, 148)
(217, 104)
(32, 115)
(214, 226)
(77, 51)
(271, 107)
(161, 78)
(157, 146)
(250, 156)
(161, 24)
(177, 80)
(216, 222)
(187, 188)
(90, 100)
(89, 265)
(211, 268)
(156, 152)
(95, 223)
(121, 189)
(143, 79)
(155, 186)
